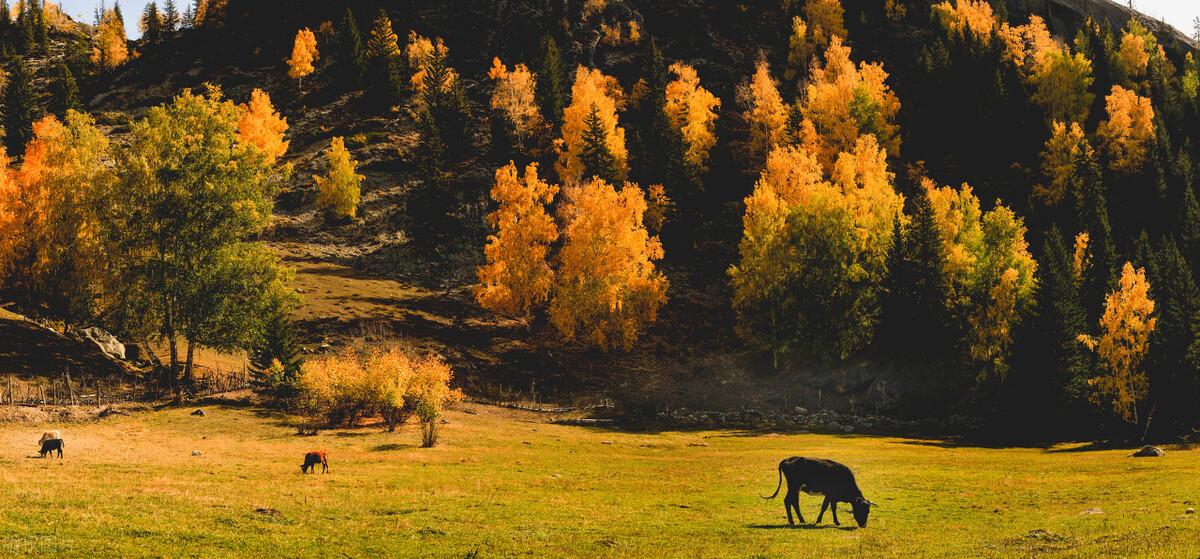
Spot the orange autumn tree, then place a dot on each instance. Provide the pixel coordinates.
(843, 102)
(12, 217)
(515, 98)
(967, 19)
(419, 51)
(66, 185)
(607, 288)
(111, 48)
(517, 275)
(765, 111)
(592, 94)
(262, 127)
(825, 20)
(1129, 131)
(692, 109)
(304, 54)
(1124, 341)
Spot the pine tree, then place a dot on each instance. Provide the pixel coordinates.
(1189, 229)
(443, 104)
(6, 44)
(152, 24)
(598, 161)
(64, 95)
(1093, 219)
(20, 108)
(170, 20)
(384, 85)
(551, 81)
(276, 359)
(1174, 362)
(1061, 317)
(353, 56)
(917, 322)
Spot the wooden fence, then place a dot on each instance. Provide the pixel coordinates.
(85, 390)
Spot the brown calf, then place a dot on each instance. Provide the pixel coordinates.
(312, 458)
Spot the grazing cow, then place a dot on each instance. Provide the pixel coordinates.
(312, 458)
(817, 476)
(50, 435)
(51, 445)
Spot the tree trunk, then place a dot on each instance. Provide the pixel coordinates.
(187, 380)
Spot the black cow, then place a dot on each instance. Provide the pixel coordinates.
(817, 476)
(51, 445)
(315, 458)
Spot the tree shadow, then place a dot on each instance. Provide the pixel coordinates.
(800, 527)
(388, 447)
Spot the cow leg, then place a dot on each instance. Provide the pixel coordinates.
(792, 499)
(824, 505)
(833, 507)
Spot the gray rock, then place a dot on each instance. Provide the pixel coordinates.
(1092, 511)
(834, 426)
(199, 413)
(105, 341)
(1189, 510)
(195, 453)
(801, 411)
(1149, 451)
(848, 429)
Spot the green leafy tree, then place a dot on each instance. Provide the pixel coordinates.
(151, 24)
(193, 201)
(170, 19)
(1061, 317)
(276, 358)
(384, 83)
(1093, 220)
(1189, 229)
(1174, 360)
(916, 322)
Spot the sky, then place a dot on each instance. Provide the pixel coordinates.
(1176, 12)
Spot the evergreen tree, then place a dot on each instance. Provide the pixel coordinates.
(38, 20)
(916, 320)
(384, 84)
(1061, 318)
(64, 92)
(1189, 229)
(551, 82)
(443, 105)
(6, 45)
(1093, 219)
(597, 160)
(1174, 362)
(353, 55)
(276, 360)
(117, 11)
(20, 108)
(170, 20)
(188, 20)
(152, 24)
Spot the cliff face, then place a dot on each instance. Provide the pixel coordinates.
(1117, 14)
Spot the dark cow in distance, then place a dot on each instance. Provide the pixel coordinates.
(817, 476)
(51, 445)
(312, 458)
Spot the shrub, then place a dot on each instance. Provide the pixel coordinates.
(385, 380)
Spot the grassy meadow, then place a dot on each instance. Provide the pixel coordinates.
(503, 484)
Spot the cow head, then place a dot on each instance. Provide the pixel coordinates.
(862, 509)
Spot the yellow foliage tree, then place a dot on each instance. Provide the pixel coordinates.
(693, 111)
(1061, 81)
(968, 19)
(111, 49)
(12, 217)
(1129, 130)
(517, 275)
(262, 127)
(765, 112)
(1026, 46)
(304, 54)
(515, 97)
(1081, 259)
(1124, 341)
(607, 288)
(799, 50)
(1132, 57)
(66, 184)
(1066, 144)
(844, 102)
(826, 20)
(990, 272)
(340, 190)
(592, 91)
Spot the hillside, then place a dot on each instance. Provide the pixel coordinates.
(955, 125)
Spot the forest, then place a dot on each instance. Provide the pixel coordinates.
(993, 200)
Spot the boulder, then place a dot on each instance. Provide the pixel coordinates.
(199, 413)
(105, 341)
(1149, 451)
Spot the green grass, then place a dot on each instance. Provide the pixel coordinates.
(511, 487)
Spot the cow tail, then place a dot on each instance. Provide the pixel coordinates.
(778, 485)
